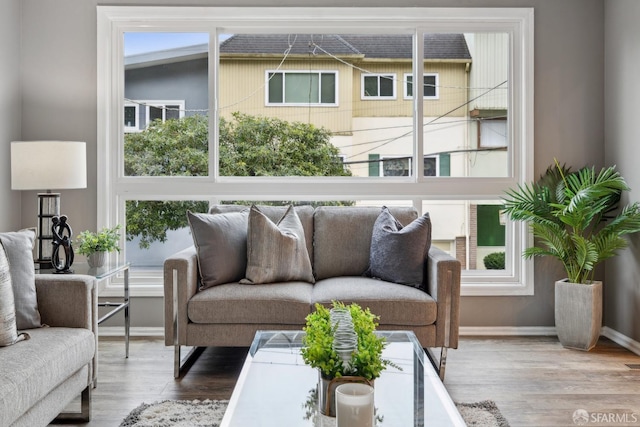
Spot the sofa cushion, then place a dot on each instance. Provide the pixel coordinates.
(398, 254)
(276, 252)
(342, 238)
(30, 370)
(19, 248)
(8, 331)
(275, 303)
(221, 242)
(274, 213)
(395, 304)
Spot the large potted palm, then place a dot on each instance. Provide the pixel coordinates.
(575, 217)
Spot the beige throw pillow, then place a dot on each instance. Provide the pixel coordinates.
(8, 331)
(276, 252)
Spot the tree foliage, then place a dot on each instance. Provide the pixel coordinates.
(248, 146)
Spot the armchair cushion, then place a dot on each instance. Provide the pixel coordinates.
(398, 253)
(19, 246)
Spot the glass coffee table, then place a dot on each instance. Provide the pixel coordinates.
(276, 388)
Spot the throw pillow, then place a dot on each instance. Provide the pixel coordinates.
(8, 331)
(276, 252)
(19, 248)
(221, 242)
(398, 253)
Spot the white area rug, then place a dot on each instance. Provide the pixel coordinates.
(209, 413)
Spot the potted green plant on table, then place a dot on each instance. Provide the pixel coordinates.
(340, 355)
(575, 218)
(95, 246)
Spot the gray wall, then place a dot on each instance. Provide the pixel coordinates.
(10, 110)
(59, 96)
(622, 147)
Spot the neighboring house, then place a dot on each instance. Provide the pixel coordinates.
(361, 88)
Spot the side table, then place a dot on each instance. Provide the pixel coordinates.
(101, 274)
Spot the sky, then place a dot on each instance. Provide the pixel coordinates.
(136, 43)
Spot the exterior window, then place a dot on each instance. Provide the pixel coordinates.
(164, 111)
(401, 166)
(131, 118)
(493, 133)
(378, 86)
(430, 86)
(301, 87)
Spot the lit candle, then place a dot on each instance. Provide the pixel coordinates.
(354, 405)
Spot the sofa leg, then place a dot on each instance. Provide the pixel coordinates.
(180, 367)
(85, 409)
(441, 363)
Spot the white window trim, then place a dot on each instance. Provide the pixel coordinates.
(366, 97)
(435, 156)
(113, 187)
(301, 104)
(405, 81)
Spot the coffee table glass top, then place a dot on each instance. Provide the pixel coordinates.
(276, 387)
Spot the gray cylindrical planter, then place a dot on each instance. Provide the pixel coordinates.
(97, 259)
(578, 314)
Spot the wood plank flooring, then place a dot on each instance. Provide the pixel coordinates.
(534, 380)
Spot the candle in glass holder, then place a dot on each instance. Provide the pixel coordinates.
(354, 405)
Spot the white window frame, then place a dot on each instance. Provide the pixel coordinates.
(390, 76)
(301, 104)
(113, 188)
(437, 86)
(437, 164)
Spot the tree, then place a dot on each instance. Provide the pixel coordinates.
(249, 146)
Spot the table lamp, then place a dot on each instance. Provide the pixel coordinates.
(46, 166)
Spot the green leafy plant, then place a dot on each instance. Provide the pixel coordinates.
(318, 349)
(494, 261)
(573, 217)
(105, 240)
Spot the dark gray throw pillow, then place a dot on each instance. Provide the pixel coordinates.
(221, 242)
(398, 253)
(19, 248)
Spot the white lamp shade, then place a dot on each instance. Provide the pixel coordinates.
(48, 165)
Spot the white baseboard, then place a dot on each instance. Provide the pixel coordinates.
(507, 330)
(135, 331)
(621, 339)
(613, 335)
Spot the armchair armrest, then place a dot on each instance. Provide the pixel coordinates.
(180, 284)
(443, 284)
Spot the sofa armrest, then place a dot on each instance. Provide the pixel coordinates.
(180, 284)
(67, 300)
(443, 284)
(71, 301)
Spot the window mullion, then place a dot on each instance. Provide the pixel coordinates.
(418, 104)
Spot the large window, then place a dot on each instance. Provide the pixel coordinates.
(203, 105)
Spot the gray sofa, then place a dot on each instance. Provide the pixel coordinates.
(338, 240)
(40, 376)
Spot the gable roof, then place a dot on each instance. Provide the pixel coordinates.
(398, 46)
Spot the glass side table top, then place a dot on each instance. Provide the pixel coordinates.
(276, 387)
(108, 269)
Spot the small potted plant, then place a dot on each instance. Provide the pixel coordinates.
(364, 362)
(95, 246)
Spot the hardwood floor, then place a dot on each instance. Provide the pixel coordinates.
(533, 380)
